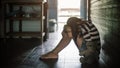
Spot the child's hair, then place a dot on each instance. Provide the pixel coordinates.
(74, 22)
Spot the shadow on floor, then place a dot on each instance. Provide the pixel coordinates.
(14, 47)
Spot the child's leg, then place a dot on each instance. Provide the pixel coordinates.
(67, 36)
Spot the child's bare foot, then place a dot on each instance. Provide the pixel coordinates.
(49, 55)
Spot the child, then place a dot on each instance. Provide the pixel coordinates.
(85, 36)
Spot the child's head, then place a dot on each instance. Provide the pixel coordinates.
(74, 23)
(73, 20)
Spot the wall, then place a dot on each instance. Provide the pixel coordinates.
(106, 16)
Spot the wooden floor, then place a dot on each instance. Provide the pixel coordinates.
(26, 53)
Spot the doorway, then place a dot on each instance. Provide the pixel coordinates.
(68, 8)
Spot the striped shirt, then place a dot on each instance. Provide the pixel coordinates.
(89, 32)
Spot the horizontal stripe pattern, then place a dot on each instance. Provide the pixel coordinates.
(89, 32)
